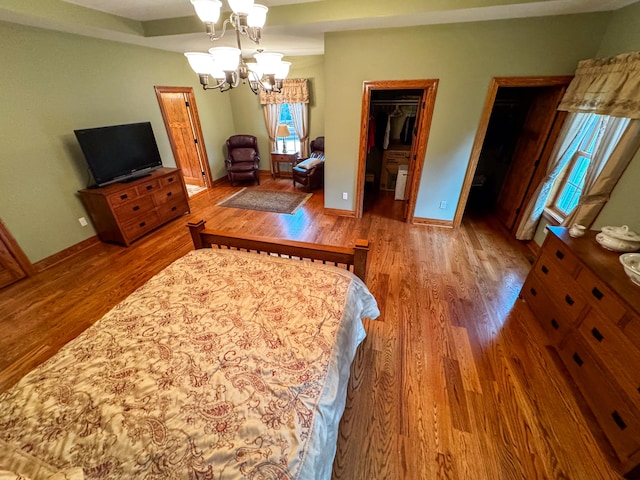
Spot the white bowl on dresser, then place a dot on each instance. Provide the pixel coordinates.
(631, 264)
(619, 239)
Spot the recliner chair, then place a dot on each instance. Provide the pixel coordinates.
(243, 159)
(310, 172)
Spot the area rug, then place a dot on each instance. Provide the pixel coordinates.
(266, 200)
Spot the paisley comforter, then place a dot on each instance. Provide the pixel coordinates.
(225, 365)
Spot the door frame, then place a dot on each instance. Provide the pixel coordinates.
(197, 129)
(495, 84)
(16, 252)
(418, 148)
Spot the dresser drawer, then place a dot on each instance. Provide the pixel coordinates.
(554, 324)
(141, 206)
(170, 179)
(168, 194)
(123, 196)
(619, 419)
(562, 255)
(567, 299)
(600, 295)
(608, 342)
(142, 225)
(173, 209)
(148, 186)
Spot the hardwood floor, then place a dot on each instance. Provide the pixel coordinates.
(452, 382)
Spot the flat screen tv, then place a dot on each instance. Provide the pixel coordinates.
(119, 153)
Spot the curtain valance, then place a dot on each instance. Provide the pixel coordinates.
(607, 86)
(294, 90)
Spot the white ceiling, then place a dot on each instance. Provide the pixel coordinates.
(143, 10)
(307, 39)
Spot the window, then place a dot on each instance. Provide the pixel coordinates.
(292, 141)
(570, 182)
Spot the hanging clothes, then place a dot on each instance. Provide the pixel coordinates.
(371, 140)
(406, 135)
(387, 133)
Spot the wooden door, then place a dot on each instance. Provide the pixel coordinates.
(526, 156)
(406, 212)
(13, 263)
(418, 145)
(182, 122)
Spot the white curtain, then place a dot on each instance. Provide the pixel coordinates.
(300, 117)
(571, 135)
(619, 143)
(271, 119)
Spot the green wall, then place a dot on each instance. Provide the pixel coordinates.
(464, 57)
(53, 83)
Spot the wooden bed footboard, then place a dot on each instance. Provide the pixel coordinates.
(353, 259)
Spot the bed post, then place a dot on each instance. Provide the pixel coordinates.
(195, 229)
(361, 251)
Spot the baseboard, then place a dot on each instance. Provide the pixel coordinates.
(220, 181)
(66, 253)
(340, 213)
(433, 222)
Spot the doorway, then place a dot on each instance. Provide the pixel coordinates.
(519, 126)
(181, 120)
(395, 122)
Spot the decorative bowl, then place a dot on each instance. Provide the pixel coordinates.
(618, 239)
(631, 264)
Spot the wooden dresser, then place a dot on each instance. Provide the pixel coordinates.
(590, 311)
(123, 212)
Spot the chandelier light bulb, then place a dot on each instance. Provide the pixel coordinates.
(258, 16)
(226, 58)
(207, 10)
(201, 63)
(282, 70)
(268, 61)
(241, 7)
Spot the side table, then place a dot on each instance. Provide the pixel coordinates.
(282, 157)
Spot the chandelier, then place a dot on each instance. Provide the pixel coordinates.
(225, 65)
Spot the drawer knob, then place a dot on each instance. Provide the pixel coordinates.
(555, 324)
(597, 293)
(559, 254)
(170, 179)
(142, 224)
(124, 196)
(173, 209)
(544, 269)
(596, 334)
(149, 187)
(136, 208)
(533, 291)
(618, 419)
(569, 300)
(169, 194)
(577, 359)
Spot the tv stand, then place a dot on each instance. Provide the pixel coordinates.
(125, 211)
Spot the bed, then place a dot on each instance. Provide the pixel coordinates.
(225, 365)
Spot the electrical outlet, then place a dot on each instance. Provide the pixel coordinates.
(443, 204)
(83, 221)
(345, 196)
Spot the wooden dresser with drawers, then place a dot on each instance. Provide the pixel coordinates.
(590, 311)
(123, 212)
